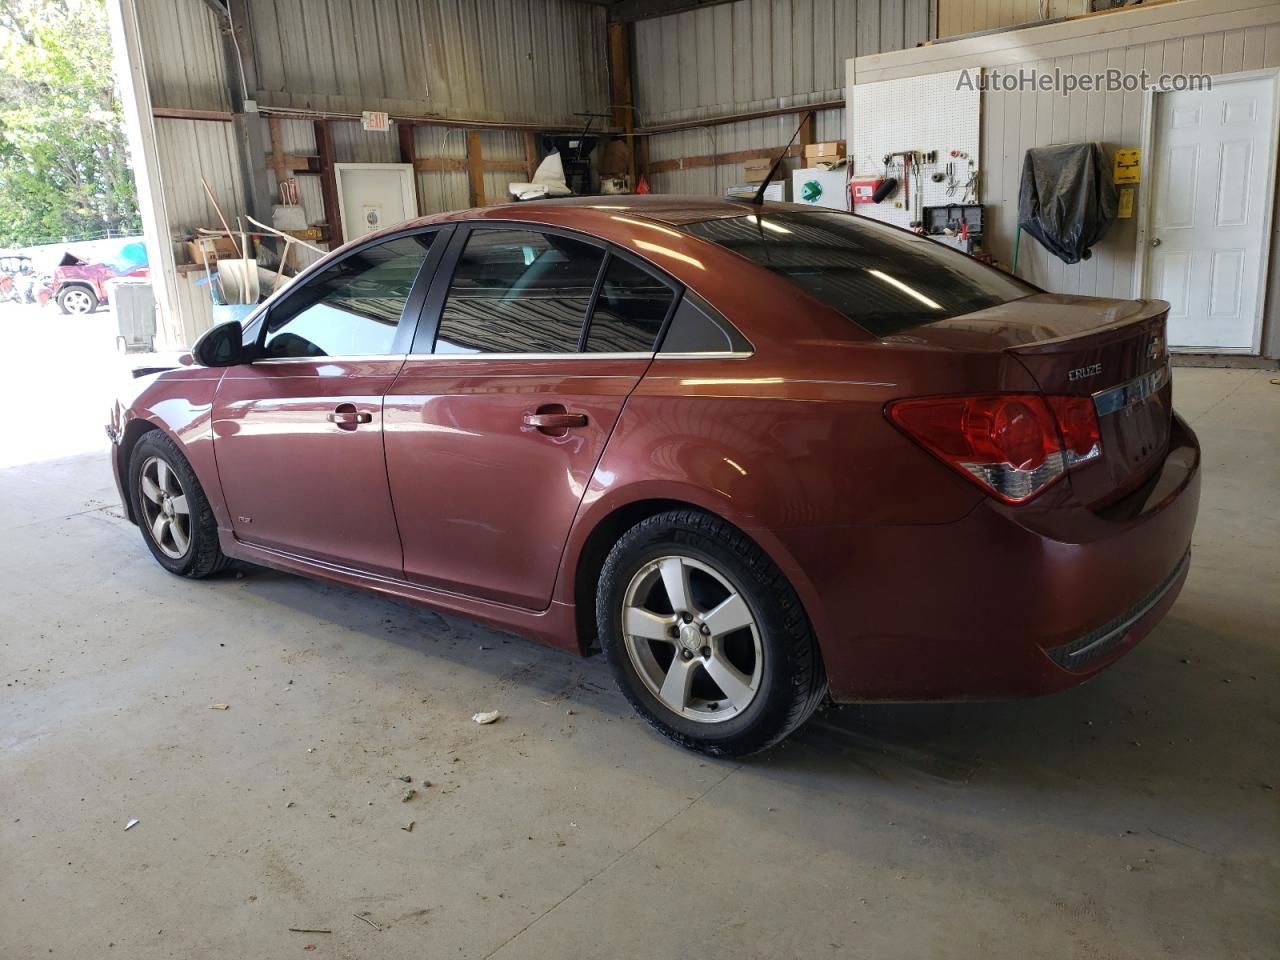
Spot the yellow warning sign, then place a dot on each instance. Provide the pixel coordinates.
(1128, 160)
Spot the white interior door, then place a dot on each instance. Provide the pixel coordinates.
(374, 195)
(1212, 180)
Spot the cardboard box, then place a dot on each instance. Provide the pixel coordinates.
(820, 188)
(221, 246)
(754, 171)
(828, 150)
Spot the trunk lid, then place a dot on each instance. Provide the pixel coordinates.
(1112, 350)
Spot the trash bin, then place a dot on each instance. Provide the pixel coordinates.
(134, 303)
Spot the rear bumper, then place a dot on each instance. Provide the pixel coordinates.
(1008, 601)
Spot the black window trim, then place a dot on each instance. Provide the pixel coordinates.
(409, 317)
(429, 323)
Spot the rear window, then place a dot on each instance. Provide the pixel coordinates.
(883, 279)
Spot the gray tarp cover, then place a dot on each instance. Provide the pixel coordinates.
(1067, 200)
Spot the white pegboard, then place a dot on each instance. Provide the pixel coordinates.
(934, 112)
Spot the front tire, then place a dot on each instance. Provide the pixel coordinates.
(705, 636)
(173, 513)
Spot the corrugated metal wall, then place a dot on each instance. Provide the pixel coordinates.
(183, 46)
(756, 55)
(535, 60)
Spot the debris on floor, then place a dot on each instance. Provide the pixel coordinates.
(405, 779)
(490, 716)
(219, 706)
(368, 921)
(408, 827)
(131, 824)
(408, 795)
(308, 930)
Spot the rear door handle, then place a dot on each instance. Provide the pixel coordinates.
(555, 421)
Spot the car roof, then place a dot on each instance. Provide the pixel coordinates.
(663, 208)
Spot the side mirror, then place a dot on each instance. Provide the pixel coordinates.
(222, 346)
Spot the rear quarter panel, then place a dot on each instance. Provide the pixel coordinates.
(779, 448)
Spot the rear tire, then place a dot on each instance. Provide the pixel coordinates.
(717, 653)
(173, 513)
(77, 299)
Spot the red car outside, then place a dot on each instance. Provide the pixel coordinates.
(752, 454)
(81, 287)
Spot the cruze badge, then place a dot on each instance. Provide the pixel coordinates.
(1081, 373)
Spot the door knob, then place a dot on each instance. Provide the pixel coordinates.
(1155, 242)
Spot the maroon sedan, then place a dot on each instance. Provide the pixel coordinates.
(751, 454)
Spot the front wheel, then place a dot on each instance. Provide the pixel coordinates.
(705, 636)
(176, 519)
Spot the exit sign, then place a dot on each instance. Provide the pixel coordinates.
(375, 120)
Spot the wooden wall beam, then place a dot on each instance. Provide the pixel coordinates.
(713, 160)
(328, 182)
(620, 91)
(475, 169)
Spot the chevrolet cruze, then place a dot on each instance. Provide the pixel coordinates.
(754, 455)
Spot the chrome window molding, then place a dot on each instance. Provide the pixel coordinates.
(1115, 399)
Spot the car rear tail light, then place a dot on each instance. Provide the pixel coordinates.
(1014, 445)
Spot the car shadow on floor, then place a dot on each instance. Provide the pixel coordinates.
(1168, 713)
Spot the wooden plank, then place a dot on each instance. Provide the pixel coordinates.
(475, 169)
(328, 181)
(408, 150)
(1103, 30)
(531, 158)
(624, 114)
(712, 160)
(738, 117)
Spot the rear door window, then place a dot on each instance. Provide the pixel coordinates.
(629, 311)
(883, 279)
(518, 291)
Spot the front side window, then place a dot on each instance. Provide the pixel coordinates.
(884, 280)
(629, 312)
(518, 291)
(351, 309)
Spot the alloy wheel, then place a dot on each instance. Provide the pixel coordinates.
(77, 301)
(692, 638)
(165, 509)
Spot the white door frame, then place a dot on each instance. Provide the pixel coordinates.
(1146, 185)
(407, 186)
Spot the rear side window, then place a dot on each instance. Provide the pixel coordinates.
(883, 279)
(518, 291)
(630, 310)
(351, 309)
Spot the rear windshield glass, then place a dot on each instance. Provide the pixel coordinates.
(883, 279)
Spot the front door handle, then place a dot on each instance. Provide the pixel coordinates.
(1155, 242)
(555, 421)
(348, 417)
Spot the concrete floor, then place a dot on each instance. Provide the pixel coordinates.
(1133, 817)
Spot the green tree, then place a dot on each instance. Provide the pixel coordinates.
(64, 165)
